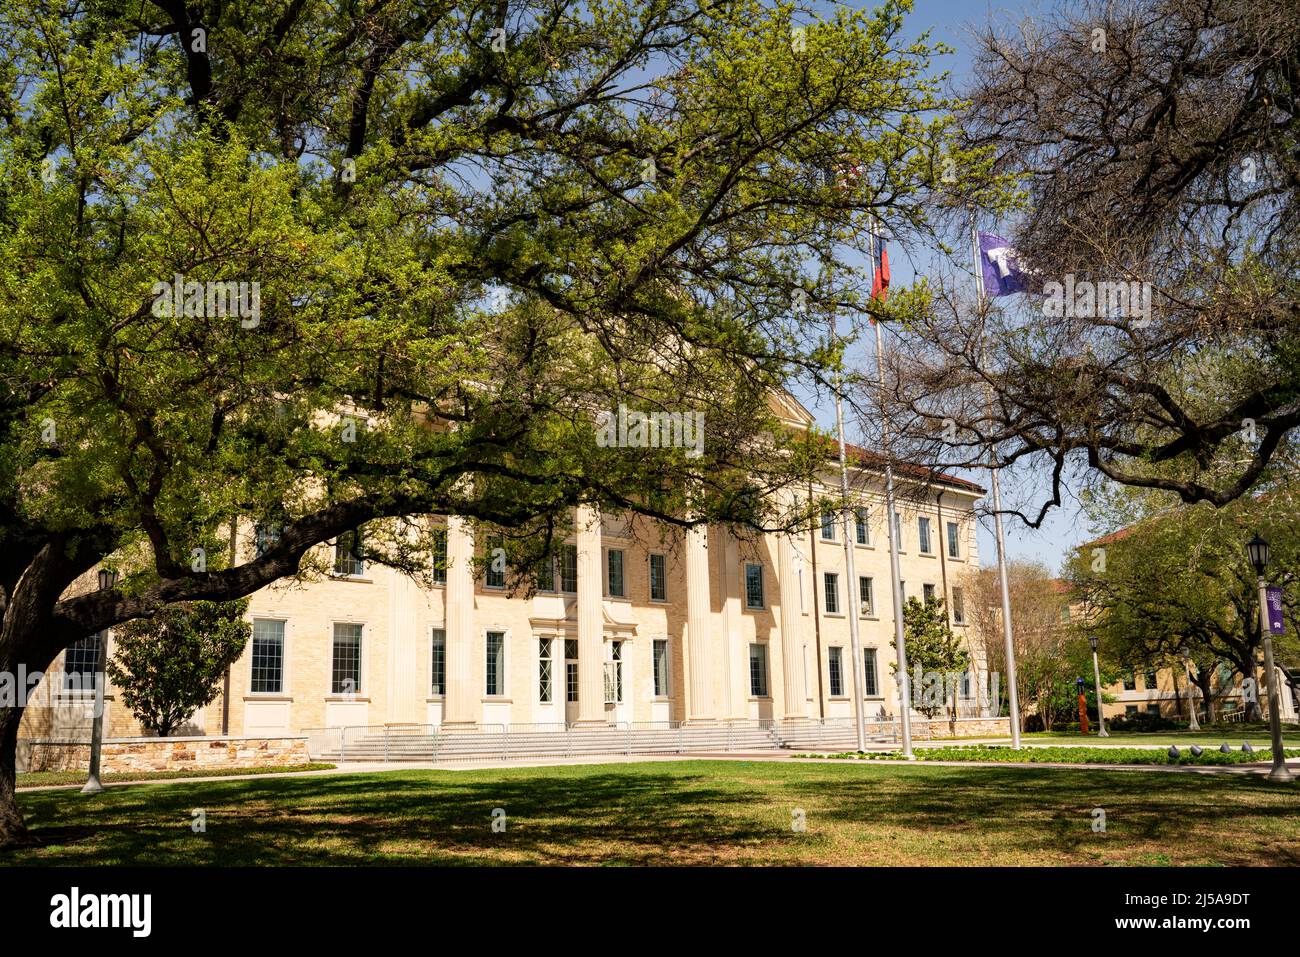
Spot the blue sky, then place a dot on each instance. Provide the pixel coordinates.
(950, 22)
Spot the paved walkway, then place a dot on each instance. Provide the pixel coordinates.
(372, 767)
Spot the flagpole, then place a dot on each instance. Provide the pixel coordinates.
(999, 534)
(900, 640)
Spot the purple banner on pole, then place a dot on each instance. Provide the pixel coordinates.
(1000, 266)
(1273, 598)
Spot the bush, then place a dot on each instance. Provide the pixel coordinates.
(1143, 721)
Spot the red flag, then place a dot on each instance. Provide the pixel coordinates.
(880, 284)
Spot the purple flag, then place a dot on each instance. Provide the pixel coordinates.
(1274, 602)
(1002, 273)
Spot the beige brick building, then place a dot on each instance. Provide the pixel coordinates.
(637, 623)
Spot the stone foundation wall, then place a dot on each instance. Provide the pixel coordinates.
(165, 754)
(935, 728)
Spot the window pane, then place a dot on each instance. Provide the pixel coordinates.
(862, 526)
(954, 550)
(570, 669)
(661, 667)
(869, 669)
(754, 586)
(836, 673)
(268, 656)
(546, 574)
(828, 526)
(958, 606)
(496, 663)
(81, 662)
(758, 670)
(658, 579)
(865, 598)
(923, 534)
(495, 576)
(831, 583)
(345, 675)
(614, 561)
(440, 556)
(927, 593)
(347, 554)
(544, 670)
(438, 654)
(569, 568)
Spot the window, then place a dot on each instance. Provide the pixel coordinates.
(898, 531)
(347, 555)
(869, 672)
(570, 669)
(661, 667)
(758, 670)
(965, 684)
(440, 556)
(265, 537)
(614, 568)
(345, 675)
(569, 569)
(495, 576)
(438, 656)
(954, 541)
(958, 606)
(902, 591)
(927, 594)
(866, 603)
(754, 586)
(658, 578)
(862, 526)
(831, 588)
(495, 671)
(923, 535)
(614, 674)
(81, 663)
(1130, 682)
(1151, 680)
(837, 672)
(544, 670)
(1130, 709)
(268, 656)
(828, 526)
(546, 574)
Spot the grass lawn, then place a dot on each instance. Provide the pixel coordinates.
(688, 812)
(1184, 739)
(1043, 754)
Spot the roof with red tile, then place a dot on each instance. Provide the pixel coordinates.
(864, 458)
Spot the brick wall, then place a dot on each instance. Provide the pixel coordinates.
(167, 754)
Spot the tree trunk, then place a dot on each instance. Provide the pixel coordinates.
(12, 830)
(1248, 670)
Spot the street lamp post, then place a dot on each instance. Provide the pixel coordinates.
(1192, 723)
(107, 581)
(1096, 675)
(1257, 549)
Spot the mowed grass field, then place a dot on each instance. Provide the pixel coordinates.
(680, 813)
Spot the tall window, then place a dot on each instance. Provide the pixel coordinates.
(1151, 680)
(898, 531)
(614, 674)
(866, 600)
(440, 556)
(1130, 682)
(828, 526)
(927, 593)
(754, 586)
(758, 670)
(862, 526)
(268, 656)
(495, 576)
(836, 662)
(872, 681)
(345, 674)
(546, 574)
(495, 671)
(438, 656)
(347, 555)
(954, 541)
(569, 569)
(902, 591)
(81, 662)
(614, 572)
(570, 669)
(958, 606)
(661, 667)
(831, 588)
(544, 670)
(265, 537)
(658, 578)
(923, 535)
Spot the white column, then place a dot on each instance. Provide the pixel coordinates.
(792, 653)
(408, 684)
(591, 620)
(699, 631)
(461, 704)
